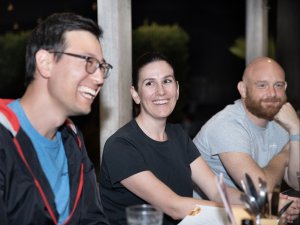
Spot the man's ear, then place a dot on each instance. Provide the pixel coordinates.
(242, 89)
(43, 61)
(135, 96)
(285, 86)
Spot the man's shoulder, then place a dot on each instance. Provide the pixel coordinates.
(231, 114)
(228, 123)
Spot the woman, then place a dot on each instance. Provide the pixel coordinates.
(149, 160)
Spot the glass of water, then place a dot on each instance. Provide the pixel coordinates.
(143, 215)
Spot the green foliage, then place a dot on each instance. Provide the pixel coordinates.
(272, 48)
(12, 63)
(172, 41)
(239, 48)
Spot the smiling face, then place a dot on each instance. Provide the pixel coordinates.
(157, 91)
(70, 86)
(263, 88)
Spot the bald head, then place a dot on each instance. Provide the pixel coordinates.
(261, 67)
(263, 88)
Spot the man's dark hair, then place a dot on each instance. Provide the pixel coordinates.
(50, 35)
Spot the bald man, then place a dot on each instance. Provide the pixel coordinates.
(258, 134)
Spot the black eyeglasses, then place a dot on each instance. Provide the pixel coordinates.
(92, 64)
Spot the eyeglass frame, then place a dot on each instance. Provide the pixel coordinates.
(88, 59)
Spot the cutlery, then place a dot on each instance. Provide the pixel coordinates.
(251, 204)
(284, 208)
(245, 188)
(251, 186)
(275, 200)
(262, 199)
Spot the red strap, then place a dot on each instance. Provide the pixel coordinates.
(37, 184)
(14, 127)
(79, 191)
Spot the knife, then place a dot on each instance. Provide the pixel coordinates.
(284, 208)
(251, 186)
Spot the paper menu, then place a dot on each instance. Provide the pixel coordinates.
(208, 215)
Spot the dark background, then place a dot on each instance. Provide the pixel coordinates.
(213, 27)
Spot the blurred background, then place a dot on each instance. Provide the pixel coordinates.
(211, 48)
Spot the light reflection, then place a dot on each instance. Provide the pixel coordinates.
(15, 26)
(94, 6)
(10, 7)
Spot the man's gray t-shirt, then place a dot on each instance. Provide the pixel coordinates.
(230, 130)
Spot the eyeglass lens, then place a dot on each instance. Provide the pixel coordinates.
(92, 65)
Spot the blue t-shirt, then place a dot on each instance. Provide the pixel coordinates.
(53, 161)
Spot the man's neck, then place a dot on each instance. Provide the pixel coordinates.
(41, 115)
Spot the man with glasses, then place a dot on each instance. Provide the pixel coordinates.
(46, 176)
(258, 134)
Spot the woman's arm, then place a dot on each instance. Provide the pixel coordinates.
(148, 187)
(205, 179)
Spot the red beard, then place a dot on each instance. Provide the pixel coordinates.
(257, 107)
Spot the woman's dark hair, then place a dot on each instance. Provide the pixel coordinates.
(50, 35)
(143, 60)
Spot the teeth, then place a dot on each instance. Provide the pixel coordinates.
(160, 102)
(87, 96)
(87, 91)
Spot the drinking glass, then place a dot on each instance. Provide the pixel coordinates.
(143, 215)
